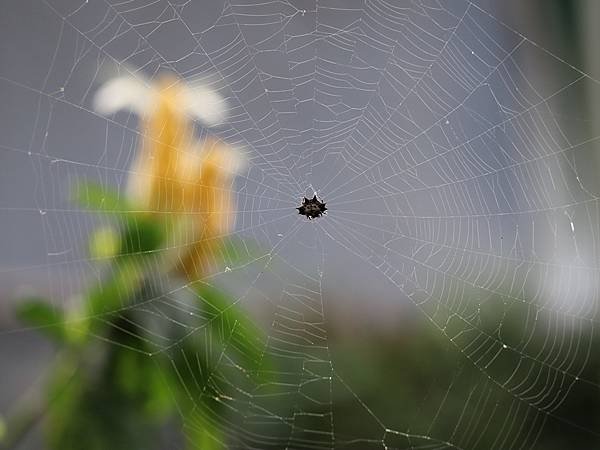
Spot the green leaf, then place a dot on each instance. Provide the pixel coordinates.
(40, 314)
(93, 196)
(127, 278)
(142, 234)
(232, 326)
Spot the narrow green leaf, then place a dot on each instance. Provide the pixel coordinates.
(92, 196)
(39, 313)
(244, 338)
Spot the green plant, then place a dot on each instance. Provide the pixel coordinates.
(136, 362)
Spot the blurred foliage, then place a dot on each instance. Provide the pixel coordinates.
(124, 370)
(447, 394)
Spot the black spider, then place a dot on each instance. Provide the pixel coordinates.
(312, 208)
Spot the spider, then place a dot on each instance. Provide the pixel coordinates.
(312, 208)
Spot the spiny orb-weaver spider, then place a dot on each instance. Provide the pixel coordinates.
(312, 208)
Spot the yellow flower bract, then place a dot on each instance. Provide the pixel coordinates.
(173, 173)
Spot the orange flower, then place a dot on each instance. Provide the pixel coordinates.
(173, 173)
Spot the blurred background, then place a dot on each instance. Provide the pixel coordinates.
(447, 300)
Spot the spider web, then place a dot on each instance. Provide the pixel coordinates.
(456, 188)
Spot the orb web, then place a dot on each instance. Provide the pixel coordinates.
(455, 183)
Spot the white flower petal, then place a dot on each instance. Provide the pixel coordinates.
(127, 92)
(205, 104)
